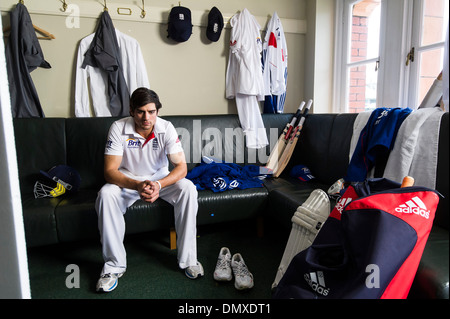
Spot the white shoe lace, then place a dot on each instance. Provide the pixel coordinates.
(241, 270)
(222, 263)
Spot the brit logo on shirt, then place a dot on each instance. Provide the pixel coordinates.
(133, 143)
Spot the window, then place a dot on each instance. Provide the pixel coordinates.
(360, 55)
(374, 39)
(427, 53)
(364, 56)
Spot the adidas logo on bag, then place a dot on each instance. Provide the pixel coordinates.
(342, 202)
(414, 206)
(316, 281)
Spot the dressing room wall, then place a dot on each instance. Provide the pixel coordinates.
(189, 76)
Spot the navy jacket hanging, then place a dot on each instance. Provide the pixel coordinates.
(23, 55)
(104, 53)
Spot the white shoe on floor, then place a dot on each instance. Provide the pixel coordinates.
(108, 282)
(193, 272)
(243, 278)
(223, 266)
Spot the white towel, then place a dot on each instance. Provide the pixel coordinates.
(415, 150)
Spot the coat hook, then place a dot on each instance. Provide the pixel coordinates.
(143, 10)
(105, 8)
(64, 6)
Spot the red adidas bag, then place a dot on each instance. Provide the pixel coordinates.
(369, 247)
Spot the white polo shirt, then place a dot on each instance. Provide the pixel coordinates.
(143, 160)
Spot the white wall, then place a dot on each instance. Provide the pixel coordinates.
(190, 76)
(318, 77)
(14, 282)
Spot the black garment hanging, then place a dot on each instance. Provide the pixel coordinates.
(23, 55)
(104, 53)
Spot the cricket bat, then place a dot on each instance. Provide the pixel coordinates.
(290, 146)
(283, 139)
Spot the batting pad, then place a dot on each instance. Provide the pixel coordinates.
(306, 223)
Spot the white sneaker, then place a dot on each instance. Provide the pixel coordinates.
(223, 266)
(194, 272)
(108, 282)
(243, 278)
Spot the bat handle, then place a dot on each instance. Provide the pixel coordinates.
(407, 181)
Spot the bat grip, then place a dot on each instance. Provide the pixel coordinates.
(407, 181)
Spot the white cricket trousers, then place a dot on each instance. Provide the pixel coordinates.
(112, 203)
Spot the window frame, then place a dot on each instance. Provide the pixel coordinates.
(414, 67)
(397, 82)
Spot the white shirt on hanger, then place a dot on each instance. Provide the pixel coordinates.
(244, 72)
(244, 78)
(275, 62)
(134, 71)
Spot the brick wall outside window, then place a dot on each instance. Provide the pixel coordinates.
(357, 87)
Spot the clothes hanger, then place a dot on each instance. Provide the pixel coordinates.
(47, 35)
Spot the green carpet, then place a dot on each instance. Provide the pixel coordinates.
(152, 271)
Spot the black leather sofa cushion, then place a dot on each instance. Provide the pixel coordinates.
(39, 221)
(77, 219)
(431, 280)
(40, 145)
(86, 147)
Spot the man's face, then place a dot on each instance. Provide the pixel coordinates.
(145, 118)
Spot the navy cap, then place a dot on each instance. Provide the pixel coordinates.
(302, 173)
(180, 24)
(215, 25)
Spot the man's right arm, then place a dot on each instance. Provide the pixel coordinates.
(114, 176)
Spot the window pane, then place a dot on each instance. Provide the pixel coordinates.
(363, 88)
(365, 33)
(430, 67)
(435, 20)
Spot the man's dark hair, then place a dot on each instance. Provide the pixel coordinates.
(143, 96)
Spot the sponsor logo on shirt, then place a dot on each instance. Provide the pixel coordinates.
(155, 144)
(133, 143)
(379, 118)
